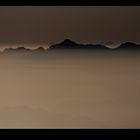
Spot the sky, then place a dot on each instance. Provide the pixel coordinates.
(85, 24)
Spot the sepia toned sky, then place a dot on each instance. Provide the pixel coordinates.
(85, 24)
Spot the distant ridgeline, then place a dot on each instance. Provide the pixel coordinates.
(67, 46)
(23, 52)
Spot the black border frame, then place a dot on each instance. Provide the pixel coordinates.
(69, 133)
(69, 2)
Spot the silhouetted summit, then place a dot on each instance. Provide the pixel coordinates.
(40, 50)
(15, 50)
(70, 48)
(24, 52)
(129, 46)
(69, 44)
(66, 44)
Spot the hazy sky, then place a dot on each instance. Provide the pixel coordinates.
(87, 24)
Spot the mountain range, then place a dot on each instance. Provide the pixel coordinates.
(68, 44)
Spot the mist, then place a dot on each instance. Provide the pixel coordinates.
(101, 91)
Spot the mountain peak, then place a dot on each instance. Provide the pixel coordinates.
(129, 45)
(19, 49)
(68, 42)
(40, 49)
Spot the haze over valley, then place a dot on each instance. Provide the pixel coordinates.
(69, 67)
(69, 88)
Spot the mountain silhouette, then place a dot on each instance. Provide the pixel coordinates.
(69, 44)
(69, 48)
(14, 50)
(24, 52)
(39, 50)
(129, 46)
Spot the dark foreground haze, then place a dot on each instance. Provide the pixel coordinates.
(81, 91)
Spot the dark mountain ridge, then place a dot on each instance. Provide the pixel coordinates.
(69, 44)
(71, 48)
(129, 46)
